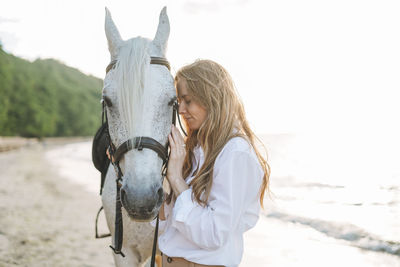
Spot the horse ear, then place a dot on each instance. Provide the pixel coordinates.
(161, 39)
(113, 37)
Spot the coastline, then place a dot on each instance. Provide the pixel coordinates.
(49, 199)
(9, 143)
(46, 220)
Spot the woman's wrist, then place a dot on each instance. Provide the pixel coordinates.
(178, 184)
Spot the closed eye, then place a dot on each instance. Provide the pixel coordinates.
(186, 100)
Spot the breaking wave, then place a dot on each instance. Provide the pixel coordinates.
(354, 235)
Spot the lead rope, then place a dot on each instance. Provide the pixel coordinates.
(119, 229)
(153, 252)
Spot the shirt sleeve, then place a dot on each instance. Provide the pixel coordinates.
(233, 203)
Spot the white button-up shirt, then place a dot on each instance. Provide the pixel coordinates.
(213, 235)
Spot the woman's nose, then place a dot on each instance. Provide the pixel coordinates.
(181, 108)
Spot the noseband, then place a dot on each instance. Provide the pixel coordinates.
(138, 143)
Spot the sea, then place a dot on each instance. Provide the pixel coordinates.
(334, 199)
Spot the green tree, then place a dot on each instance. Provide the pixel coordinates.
(46, 98)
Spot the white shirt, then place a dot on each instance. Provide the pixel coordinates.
(213, 235)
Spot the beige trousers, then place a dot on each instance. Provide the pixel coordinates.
(181, 262)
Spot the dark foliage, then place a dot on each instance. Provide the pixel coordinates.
(47, 98)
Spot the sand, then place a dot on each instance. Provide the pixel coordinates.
(44, 219)
(48, 220)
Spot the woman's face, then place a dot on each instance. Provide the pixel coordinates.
(192, 112)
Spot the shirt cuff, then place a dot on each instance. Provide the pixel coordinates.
(183, 206)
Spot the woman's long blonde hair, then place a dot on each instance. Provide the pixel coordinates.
(211, 86)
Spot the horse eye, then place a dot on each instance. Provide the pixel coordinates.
(107, 101)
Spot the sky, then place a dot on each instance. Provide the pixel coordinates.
(299, 66)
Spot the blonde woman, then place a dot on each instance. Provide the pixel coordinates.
(217, 175)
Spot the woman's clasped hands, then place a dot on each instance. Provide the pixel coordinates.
(175, 162)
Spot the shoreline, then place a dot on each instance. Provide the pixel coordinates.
(10, 143)
(15, 142)
(46, 220)
(47, 217)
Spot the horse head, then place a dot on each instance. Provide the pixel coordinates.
(138, 97)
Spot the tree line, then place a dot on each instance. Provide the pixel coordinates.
(47, 98)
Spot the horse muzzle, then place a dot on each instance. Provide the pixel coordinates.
(142, 205)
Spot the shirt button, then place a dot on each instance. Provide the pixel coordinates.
(169, 259)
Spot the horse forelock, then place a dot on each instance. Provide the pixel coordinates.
(132, 73)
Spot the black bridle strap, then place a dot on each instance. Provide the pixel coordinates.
(140, 143)
(175, 114)
(160, 61)
(118, 227)
(153, 60)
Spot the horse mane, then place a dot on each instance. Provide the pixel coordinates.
(132, 70)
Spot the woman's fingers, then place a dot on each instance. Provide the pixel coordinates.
(171, 141)
(178, 139)
(177, 146)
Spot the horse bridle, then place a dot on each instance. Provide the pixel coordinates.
(138, 143)
(142, 141)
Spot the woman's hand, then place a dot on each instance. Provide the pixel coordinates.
(175, 162)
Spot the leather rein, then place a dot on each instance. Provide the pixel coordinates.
(138, 143)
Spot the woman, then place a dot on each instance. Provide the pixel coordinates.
(217, 176)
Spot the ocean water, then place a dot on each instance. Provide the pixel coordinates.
(335, 199)
(341, 189)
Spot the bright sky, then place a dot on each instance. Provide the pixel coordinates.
(300, 66)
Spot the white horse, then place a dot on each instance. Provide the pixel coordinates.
(138, 103)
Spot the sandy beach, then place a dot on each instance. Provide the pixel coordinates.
(49, 200)
(44, 219)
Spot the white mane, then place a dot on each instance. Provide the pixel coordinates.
(132, 70)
